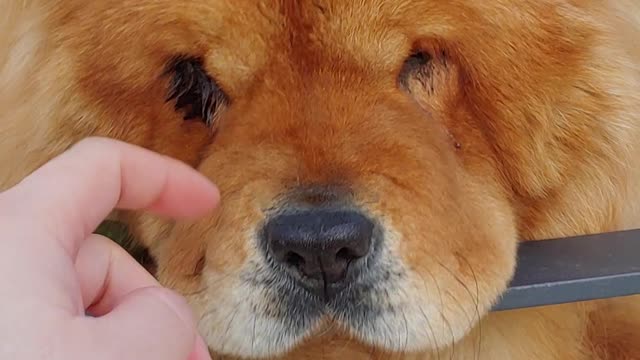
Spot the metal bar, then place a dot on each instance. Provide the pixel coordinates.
(575, 269)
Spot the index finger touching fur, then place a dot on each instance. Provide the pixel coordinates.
(75, 191)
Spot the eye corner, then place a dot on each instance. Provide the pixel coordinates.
(427, 67)
(419, 57)
(415, 64)
(196, 94)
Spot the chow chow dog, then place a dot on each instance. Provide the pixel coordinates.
(378, 161)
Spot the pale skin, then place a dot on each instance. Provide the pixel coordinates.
(53, 269)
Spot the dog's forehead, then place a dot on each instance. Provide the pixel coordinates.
(242, 37)
(251, 33)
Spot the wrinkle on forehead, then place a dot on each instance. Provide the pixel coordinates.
(324, 31)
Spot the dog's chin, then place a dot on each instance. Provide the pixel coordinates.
(400, 317)
(381, 316)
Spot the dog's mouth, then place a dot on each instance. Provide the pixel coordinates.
(310, 305)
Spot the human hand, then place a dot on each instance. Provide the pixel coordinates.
(53, 269)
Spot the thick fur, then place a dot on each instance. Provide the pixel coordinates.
(523, 126)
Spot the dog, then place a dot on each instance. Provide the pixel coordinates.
(378, 161)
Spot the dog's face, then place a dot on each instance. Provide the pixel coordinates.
(369, 154)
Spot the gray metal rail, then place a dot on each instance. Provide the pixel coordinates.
(575, 269)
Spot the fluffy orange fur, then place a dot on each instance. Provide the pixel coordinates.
(523, 126)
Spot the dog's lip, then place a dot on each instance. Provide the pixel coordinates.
(324, 292)
(333, 300)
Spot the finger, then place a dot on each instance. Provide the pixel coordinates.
(149, 323)
(75, 191)
(106, 274)
(201, 351)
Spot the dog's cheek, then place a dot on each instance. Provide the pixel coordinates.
(156, 236)
(453, 231)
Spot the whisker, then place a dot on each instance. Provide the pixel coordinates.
(207, 286)
(406, 325)
(388, 341)
(406, 332)
(475, 279)
(328, 329)
(475, 300)
(469, 292)
(253, 333)
(234, 313)
(235, 309)
(348, 342)
(435, 281)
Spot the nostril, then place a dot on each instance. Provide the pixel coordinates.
(294, 260)
(347, 254)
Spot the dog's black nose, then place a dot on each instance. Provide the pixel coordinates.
(319, 244)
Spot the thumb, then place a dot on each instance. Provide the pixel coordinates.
(148, 323)
(136, 317)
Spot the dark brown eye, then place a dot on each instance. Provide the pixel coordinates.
(416, 61)
(196, 94)
(417, 66)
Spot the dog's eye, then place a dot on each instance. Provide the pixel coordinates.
(417, 66)
(196, 94)
(416, 61)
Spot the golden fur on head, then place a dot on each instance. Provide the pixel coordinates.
(455, 127)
